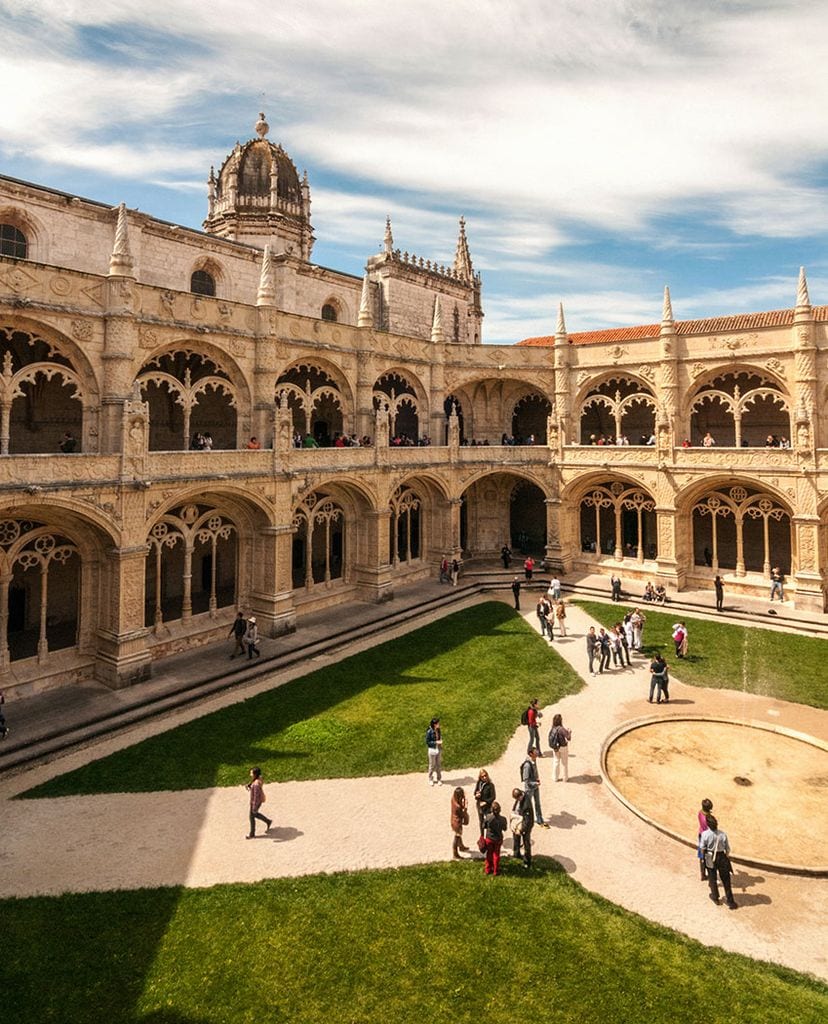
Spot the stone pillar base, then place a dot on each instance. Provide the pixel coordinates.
(811, 595)
(375, 585)
(275, 613)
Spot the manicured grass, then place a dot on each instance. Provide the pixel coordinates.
(441, 943)
(724, 656)
(367, 715)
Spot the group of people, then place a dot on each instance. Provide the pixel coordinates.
(655, 594)
(526, 810)
(449, 570)
(620, 441)
(245, 635)
(202, 442)
(713, 851)
(613, 645)
(551, 613)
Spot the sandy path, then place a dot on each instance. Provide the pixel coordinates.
(195, 838)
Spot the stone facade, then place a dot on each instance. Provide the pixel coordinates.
(133, 546)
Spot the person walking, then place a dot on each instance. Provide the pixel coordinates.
(592, 648)
(706, 808)
(555, 589)
(533, 717)
(541, 610)
(506, 556)
(777, 584)
(257, 797)
(531, 784)
(434, 743)
(494, 826)
(719, 588)
(716, 848)
(237, 631)
(659, 680)
(459, 818)
(251, 638)
(528, 568)
(516, 592)
(560, 617)
(522, 824)
(559, 737)
(455, 571)
(484, 794)
(444, 569)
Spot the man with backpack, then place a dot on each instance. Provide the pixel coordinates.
(531, 784)
(531, 717)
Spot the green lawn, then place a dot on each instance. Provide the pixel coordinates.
(728, 657)
(441, 943)
(367, 715)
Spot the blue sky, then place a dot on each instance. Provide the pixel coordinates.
(599, 149)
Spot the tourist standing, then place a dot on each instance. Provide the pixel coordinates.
(528, 568)
(718, 585)
(69, 443)
(680, 639)
(531, 784)
(444, 569)
(237, 631)
(591, 648)
(603, 650)
(615, 583)
(560, 615)
(251, 638)
(559, 737)
(257, 798)
(659, 680)
(516, 592)
(459, 818)
(706, 808)
(555, 589)
(506, 556)
(777, 583)
(716, 848)
(484, 794)
(541, 610)
(533, 717)
(494, 825)
(637, 621)
(455, 571)
(522, 824)
(434, 743)
(621, 633)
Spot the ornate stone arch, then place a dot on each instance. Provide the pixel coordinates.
(406, 400)
(221, 279)
(617, 406)
(320, 398)
(617, 518)
(729, 398)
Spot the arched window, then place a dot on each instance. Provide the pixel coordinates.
(202, 283)
(13, 242)
(404, 534)
(319, 541)
(329, 312)
(618, 519)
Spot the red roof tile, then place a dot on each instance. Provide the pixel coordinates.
(737, 322)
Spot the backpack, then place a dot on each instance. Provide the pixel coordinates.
(556, 738)
(524, 718)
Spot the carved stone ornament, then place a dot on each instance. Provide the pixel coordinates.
(95, 294)
(166, 302)
(237, 346)
(697, 370)
(775, 366)
(583, 377)
(618, 352)
(82, 330)
(18, 279)
(647, 372)
(148, 337)
(807, 548)
(60, 285)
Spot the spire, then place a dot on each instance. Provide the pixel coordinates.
(388, 242)
(462, 258)
(365, 319)
(667, 309)
(560, 328)
(266, 295)
(803, 300)
(120, 262)
(437, 335)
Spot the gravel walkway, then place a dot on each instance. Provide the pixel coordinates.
(195, 838)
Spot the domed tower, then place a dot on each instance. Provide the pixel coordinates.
(258, 198)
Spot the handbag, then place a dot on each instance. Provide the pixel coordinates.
(481, 844)
(516, 824)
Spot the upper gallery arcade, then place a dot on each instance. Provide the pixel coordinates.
(668, 452)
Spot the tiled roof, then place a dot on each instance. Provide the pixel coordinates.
(712, 325)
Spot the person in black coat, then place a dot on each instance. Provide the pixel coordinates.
(516, 592)
(484, 794)
(522, 808)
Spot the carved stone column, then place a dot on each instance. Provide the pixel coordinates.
(373, 573)
(554, 547)
(455, 548)
(122, 655)
(271, 591)
(672, 569)
(810, 577)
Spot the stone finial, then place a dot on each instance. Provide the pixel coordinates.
(120, 262)
(462, 258)
(803, 299)
(437, 335)
(261, 127)
(560, 327)
(388, 241)
(266, 296)
(365, 319)
(667, 308)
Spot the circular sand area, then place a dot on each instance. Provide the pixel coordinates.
(768, 789)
